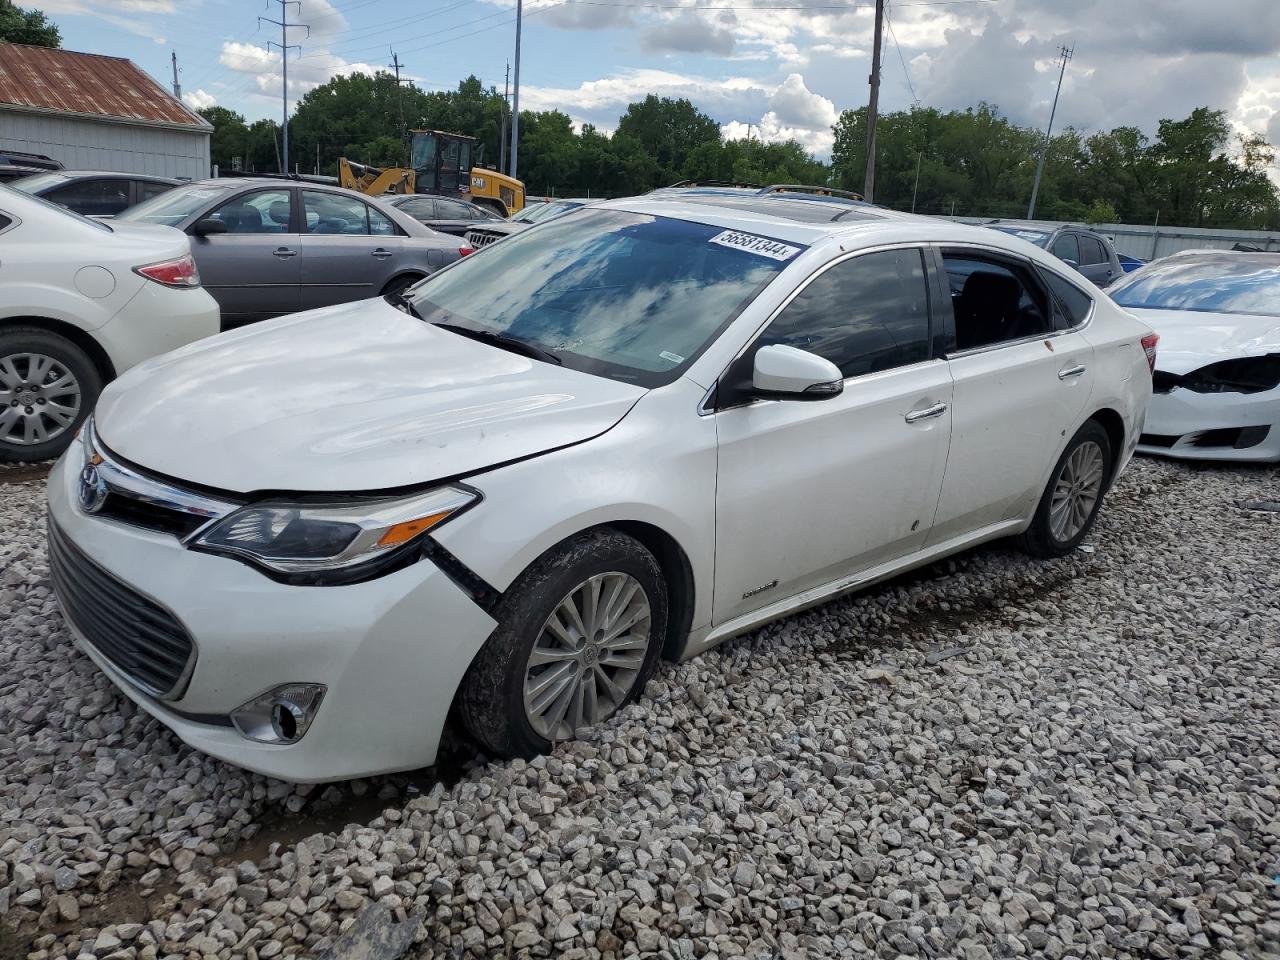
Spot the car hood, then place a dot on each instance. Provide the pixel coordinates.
(357, 397)
(1190, 340)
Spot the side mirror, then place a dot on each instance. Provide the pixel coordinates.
(788, 372)
(202, 228)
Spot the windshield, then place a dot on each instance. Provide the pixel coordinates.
(628, 296)
(173, 206)
(1208, 283)
(49, 204)
(38, 181)
(537, 212)
(1031, 236)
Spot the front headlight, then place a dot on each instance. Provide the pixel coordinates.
(306, 538)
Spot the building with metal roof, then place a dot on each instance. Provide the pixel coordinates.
(94, 112)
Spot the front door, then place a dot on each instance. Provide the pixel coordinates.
(810, 491)
(253, 269)
(349, 249)
(1020, 387)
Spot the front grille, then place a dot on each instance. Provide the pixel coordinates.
(150, 516)
(142, 640)
(482, 238)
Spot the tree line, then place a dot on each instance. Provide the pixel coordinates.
(974, 162)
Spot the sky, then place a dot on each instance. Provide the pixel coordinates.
(777, 68)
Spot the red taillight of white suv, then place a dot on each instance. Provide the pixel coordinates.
(181, 272)
(1149, 348)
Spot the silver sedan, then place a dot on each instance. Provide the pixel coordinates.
(266, 247)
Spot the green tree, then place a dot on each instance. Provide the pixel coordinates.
(27, 26)
(668, 130)
(230, 137)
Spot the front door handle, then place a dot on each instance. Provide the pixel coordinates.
(381, 254)
(284, 253)
(1076, 371)
(928, 413)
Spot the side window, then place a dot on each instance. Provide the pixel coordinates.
(147, 189)
(93, 197)
(1066, 248)
(1074, 302)
(420, 209)
(994, 301)
(864, 314)
(1091, 251)
(380, 225)
(266, 211)
(331, 213)
(4, 221)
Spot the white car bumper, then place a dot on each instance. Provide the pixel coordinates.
(158, 319)
(1205, 426)
(389, 651)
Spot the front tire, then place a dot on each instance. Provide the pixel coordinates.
(578, 636)
(48, 385)
(1070, 504)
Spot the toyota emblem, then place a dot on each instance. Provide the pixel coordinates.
(93, 489)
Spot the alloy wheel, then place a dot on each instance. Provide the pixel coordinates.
(1076, 491)
(587, 656)
(39, 398)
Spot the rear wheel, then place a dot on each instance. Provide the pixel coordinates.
(399, 285)
(1070, 504)
(578, 636)
(48, 385)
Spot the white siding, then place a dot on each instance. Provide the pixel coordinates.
(82, 144)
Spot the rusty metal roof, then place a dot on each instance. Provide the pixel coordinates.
(39, 78)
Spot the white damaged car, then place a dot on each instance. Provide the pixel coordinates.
(1217, 379)
(634, 432)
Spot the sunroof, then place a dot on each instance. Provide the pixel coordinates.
(796, 207)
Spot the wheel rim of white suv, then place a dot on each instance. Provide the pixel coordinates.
(39, 398)
(587, 655)
(1076, 491)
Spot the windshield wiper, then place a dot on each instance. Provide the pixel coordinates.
(398, 300)
(502, 341)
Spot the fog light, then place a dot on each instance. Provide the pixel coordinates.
(281, 715)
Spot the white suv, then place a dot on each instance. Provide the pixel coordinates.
(80, 302)
(633, 432)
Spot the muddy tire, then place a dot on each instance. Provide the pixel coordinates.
(1071, 501)
(578, 636)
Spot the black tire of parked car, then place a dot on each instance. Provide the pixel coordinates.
(15, 341)
(490, 701)
(1039, 540)
(398, 285)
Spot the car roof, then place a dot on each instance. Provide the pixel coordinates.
(111, 174)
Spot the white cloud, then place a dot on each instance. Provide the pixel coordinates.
(199, 100)
(136, 16)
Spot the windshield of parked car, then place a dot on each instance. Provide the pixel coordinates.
(1206, 283)
(537, 212)
(173, 206)
(629, 296)
(38, 181)
(61, 210)
(1039, 238)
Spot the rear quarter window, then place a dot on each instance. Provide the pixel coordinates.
(1072, 302)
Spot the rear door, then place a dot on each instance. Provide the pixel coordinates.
(349, 249)
(97, 197)
(453, 216)
(253, 269)
(1021, 384)
(1095, 263)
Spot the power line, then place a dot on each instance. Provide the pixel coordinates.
(284, 45)
(903, 60)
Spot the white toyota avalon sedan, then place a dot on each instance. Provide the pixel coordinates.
(627, 434)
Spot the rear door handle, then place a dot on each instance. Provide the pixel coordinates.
(1069, 372)
(284, 253)
(381, 254)
(928, 413)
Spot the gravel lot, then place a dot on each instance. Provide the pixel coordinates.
(995, 757)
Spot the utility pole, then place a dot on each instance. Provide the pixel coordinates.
(1067, 53)
(873, 107)
(395, 64)
(916, 189)
(506, 107)
(177, 87)
(515, 95)
(285, 46)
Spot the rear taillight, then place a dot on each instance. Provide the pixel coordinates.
(172, 273)
(1149, 348)
(466, 251)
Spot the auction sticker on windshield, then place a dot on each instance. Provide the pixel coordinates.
(762, 246)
